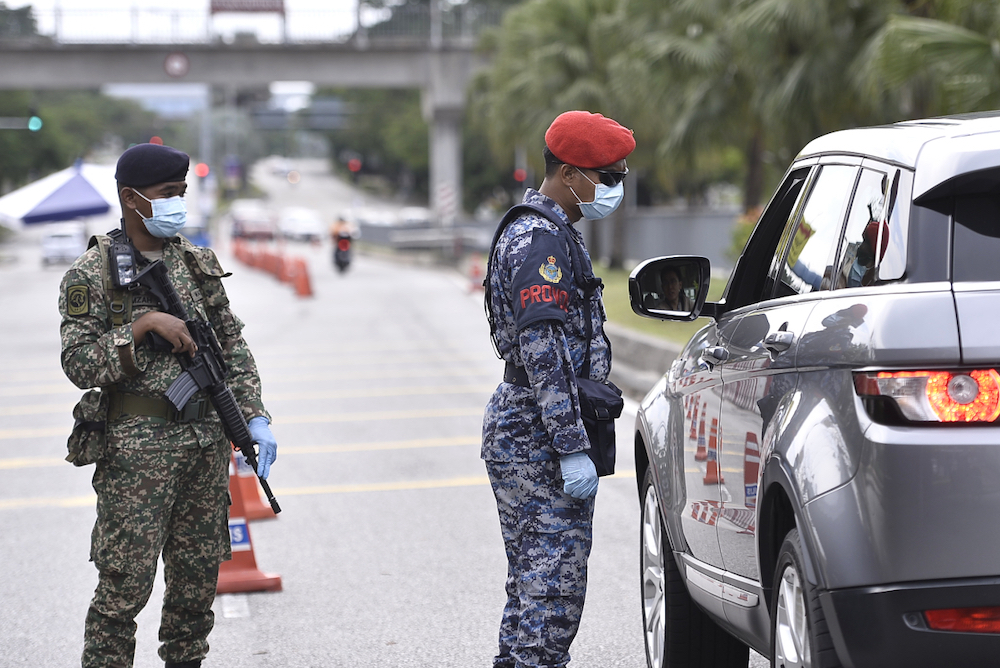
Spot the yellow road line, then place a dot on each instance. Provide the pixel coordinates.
(444, 483)
(323, 418)
(36, 409)
(38, 462)
(379, 445)
(38, 432)
(31, 462)
(271, 379)
(358, 416)
(427, 390)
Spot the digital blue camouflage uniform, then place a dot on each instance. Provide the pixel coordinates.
(537, 304)
(162, 486)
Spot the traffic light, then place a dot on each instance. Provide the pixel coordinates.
(34, 121)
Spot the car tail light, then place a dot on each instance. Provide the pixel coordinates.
(969, 620)
(936, 396)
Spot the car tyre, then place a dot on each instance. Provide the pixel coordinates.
(678, 634)
(800, 637)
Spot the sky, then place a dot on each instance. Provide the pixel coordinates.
(106, 20)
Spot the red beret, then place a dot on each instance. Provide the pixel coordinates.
(871, 236)
(587, 140)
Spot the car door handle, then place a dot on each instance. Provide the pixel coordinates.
(779, 341)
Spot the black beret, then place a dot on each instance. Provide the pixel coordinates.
(149, 164)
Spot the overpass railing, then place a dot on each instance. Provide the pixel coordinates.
(133, 25)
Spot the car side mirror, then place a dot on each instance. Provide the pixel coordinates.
(670, 288)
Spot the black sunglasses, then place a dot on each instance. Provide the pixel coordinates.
(611, 179)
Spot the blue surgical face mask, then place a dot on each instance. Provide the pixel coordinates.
(606, 199)
(169, 216)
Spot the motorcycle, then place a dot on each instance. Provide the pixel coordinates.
(342, 252)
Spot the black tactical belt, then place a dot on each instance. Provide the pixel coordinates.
(515, 375)
(123, 403)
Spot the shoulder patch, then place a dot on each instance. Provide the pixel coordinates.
(77, 300)
(550, 271)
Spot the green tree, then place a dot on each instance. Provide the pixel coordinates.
(388, 133)
(941, 56)
(551, 56)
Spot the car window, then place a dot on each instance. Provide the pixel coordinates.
(813, 237)
(976, 238)
(874, 244)
(751, 281)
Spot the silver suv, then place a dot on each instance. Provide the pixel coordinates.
(819, 470)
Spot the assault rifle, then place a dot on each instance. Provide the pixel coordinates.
(207, 370)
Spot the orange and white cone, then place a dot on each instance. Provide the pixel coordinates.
(240, 574)
(694, 423)
(701, 454)
(254, 505)
(713, 475)
(751, 469)
(300, 278)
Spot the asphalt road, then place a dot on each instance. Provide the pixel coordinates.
(389, 545)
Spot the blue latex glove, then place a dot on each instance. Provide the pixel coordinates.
(579, 475)
(267, 447)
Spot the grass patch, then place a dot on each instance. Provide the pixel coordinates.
(620, 312)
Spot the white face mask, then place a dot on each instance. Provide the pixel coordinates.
(606, 199)
(169, 216)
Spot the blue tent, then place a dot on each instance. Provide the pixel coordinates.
(76, 192)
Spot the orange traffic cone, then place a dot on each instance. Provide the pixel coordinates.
(694, 423)
(286, 269)
(751, 469)
(254, 506)
(300, 278)
(700, 454)
(712, 474)
(240, 574)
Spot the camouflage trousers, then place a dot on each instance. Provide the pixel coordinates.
(169, 502)
(547, 535)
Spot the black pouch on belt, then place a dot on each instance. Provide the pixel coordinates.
(88, 441)
(600, 404)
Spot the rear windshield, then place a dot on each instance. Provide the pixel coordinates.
(976, 248)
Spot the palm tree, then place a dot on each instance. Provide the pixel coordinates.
(942, 56)
(550, 56)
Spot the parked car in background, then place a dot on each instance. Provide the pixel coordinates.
(301, 224)
(252, 219)
(819, 470)
(63, 242)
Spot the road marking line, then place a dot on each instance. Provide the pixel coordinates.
(379, 415)
(31, 462)
(399, 486)
(382, 445)
(42, 502)
(426, 390)
(38, 432)
(357, 416)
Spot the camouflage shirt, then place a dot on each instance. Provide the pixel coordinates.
(538, 306)
(95, 353)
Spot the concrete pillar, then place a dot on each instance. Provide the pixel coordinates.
(443, 103)
(446, 164)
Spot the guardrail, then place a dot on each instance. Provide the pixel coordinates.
(134, 25)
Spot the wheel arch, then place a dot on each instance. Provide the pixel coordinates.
(780, 512)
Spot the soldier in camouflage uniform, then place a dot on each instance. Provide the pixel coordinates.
(534, 442)
(162, 483)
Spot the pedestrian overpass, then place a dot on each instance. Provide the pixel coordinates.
(438, 63)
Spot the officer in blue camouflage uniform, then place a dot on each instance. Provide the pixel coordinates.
(534, 442)
(162, 483)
